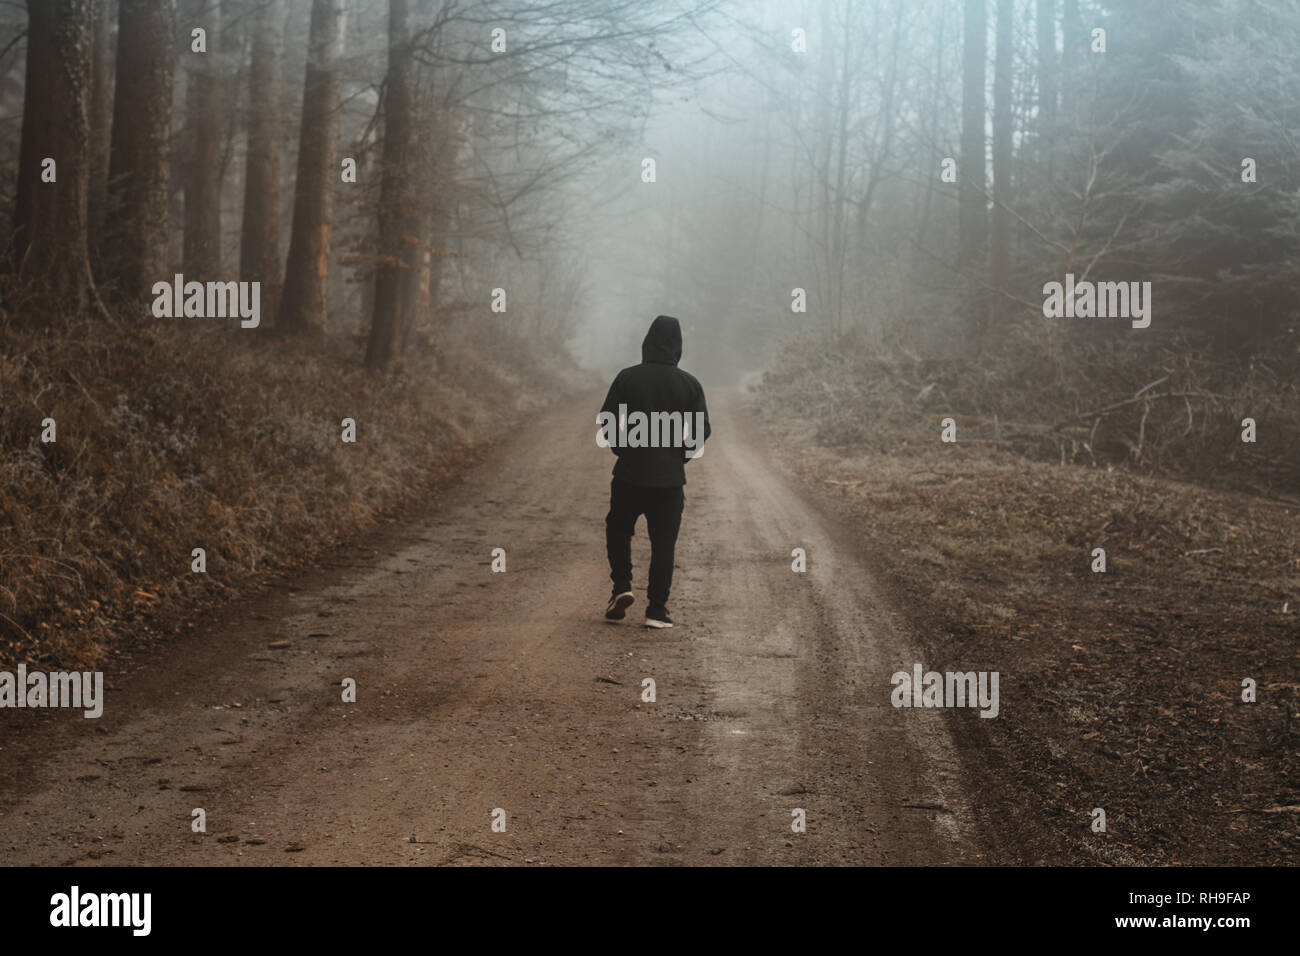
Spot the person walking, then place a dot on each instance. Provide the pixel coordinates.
(655, 420)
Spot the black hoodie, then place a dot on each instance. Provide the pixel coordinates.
(656, 385)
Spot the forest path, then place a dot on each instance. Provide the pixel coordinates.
(479, 690)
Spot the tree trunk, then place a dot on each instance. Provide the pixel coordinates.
(1045, 16)
(1000, 259)
(259, 258)
(882, 140)
(201, 256)
(101, 114)
(439, 145)
(936, 85)
(821, 201)
(135, 235)
(1072, 45)
(429, 133)
(393, 194)
(302, 307)
(972, 220)
(838, 237)
(49, 244)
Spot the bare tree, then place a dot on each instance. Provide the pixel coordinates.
(972, 220)
(302, 307)
(101, 115)
(135, 233)
(394, 192)
(883, 131)
(441, 159)
(259, 258)
(1000, 257)
(1072, 46)
(201, 256)
(1045, 21)
(49, 243)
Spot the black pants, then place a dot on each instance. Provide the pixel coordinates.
(662, 508)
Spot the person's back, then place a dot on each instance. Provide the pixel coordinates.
(654, 419)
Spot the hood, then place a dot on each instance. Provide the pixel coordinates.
(663, 343)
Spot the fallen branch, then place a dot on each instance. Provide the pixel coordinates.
(1132, 401)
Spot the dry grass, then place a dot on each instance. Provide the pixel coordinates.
(1152, 410)
(1119, 690)
(172, 436)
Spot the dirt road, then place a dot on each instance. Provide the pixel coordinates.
(479, 690)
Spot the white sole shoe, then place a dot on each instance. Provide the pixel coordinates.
(651, 622)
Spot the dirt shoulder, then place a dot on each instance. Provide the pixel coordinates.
(1120, 690)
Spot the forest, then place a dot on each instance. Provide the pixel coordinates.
(886, 190)
(1010, 281)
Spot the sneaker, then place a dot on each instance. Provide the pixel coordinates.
(658, 617)
(619, 602)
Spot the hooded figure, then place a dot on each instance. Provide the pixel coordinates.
(655, 420)
(655, 413)
(663, 341)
